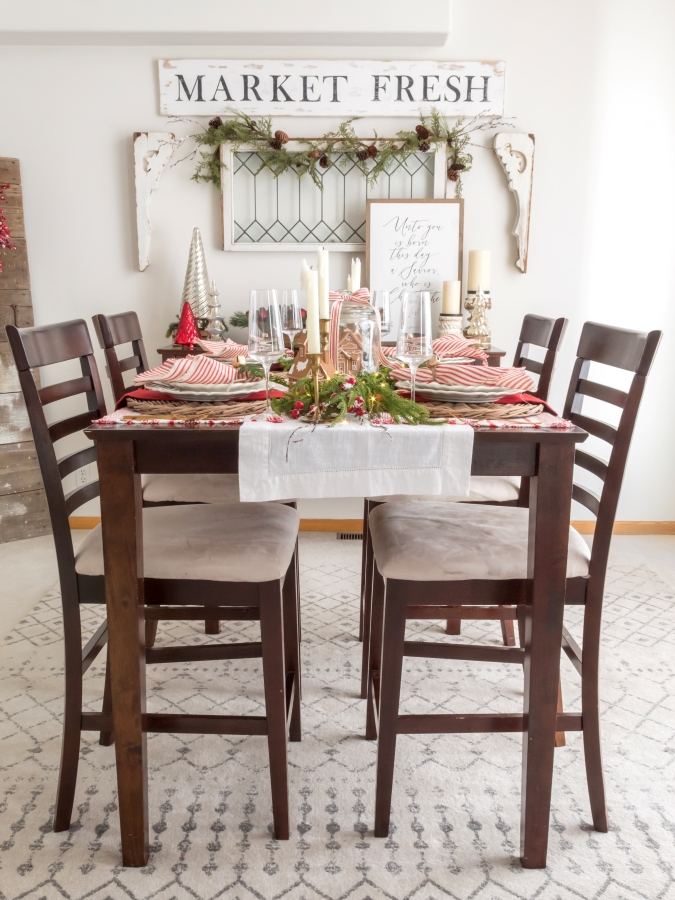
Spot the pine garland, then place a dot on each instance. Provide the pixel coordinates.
(366, 394)
(371, 158)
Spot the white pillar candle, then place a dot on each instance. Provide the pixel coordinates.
(313, 338)
(479, 270)
(322, 265)
(452, 298)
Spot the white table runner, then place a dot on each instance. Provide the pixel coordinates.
(288, 460)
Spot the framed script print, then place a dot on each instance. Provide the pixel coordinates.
(413, 245)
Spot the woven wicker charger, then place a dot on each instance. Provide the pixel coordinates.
(192, 411)
(441, 410)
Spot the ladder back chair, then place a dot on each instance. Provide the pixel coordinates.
(115, 331)
(536, 331)
(417, 531)
(237, 584)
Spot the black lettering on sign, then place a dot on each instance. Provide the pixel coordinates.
(308, 87)
(222, 86)
(470, 87)
(380, 87)
(251, 88)
(426, 87)
(406, 88)
(197, 85)
(454, 90)
(335, 85)
(279, 88)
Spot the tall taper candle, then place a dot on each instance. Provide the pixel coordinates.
(313, 337)
(479, 270)
(452, 298)
(322, 265)
(356, 275)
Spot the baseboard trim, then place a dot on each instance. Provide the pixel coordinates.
(353, 526)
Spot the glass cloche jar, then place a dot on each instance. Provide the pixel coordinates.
(359, 339)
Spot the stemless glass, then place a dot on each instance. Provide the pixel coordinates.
(381, 303)
(265, 337)
(414, 337)
(291, 314)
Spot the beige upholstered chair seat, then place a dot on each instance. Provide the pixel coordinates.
(191, 488)
(483, 488)
(251, 542)
(425, 541)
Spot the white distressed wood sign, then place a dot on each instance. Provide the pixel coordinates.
(208, 87)
(413, 245)
(152, 151)
(516, 154)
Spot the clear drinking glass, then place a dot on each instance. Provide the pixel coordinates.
(381, 303)
(414, 337)
(265, 336)
(291, 314)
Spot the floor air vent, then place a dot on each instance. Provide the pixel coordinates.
(349, 536)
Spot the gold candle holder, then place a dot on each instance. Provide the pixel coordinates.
(327, 366)
(315, 368)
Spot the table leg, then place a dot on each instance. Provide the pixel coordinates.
(550, 505)
(122, 523)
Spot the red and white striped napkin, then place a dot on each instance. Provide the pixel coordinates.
(223, 349)
(513, 379)
(193, 370)
(448, 345)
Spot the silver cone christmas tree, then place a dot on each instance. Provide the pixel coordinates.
(196, 287)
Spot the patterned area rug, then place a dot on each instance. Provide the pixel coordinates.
(456, 797)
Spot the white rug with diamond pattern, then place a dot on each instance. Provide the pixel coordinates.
(456, 797)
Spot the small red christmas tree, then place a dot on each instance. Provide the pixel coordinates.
(188, 332)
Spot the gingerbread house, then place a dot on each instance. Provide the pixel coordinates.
(350, 352)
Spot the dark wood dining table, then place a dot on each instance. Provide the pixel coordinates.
(127, 451)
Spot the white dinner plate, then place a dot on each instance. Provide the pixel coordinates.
(458, 393)
(215, 393)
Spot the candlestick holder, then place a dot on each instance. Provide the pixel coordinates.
(315, 368)
(477, 329)
(449, 324)
(327, 366)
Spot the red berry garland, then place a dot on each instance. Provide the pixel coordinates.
(5, 233)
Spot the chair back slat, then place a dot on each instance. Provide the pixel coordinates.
(74, 461)
(72, 388)
(77, 498)
(112, 331)
(72, 425)
(602, 392)
(587, 498)
(631, 351)
(591, 463)
(538, 331)
(34, 348)
(595, 427)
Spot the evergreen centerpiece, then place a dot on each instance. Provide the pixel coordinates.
(364, 394)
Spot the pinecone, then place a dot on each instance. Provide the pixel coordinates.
(362, 155)
(457, 167)
(372, 151)
(314, 154)
(453, 175)
(281, 136)
(424, 147)
(215, 122)
(275, 144)
(422, 132)
(323, 162)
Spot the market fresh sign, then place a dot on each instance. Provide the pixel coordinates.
(209, 87)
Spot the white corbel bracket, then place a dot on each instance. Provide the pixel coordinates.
(152, 151)
(516, 154)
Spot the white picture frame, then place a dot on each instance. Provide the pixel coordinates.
(440, 187)
(413, 245)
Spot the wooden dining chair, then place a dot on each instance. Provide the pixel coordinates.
(470, 559)
(503, 490)
(230, 561)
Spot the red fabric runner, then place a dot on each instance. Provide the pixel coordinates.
(145, 394)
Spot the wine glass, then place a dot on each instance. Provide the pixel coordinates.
(414, 337)
(381, 303)
(291, 314)
(265, 337)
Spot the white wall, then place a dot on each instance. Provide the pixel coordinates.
(591, 80)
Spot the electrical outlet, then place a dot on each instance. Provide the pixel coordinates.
(82, 477)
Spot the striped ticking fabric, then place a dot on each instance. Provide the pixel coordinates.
(448, 345)
(223, 349)
(193, 370)
(514, 379)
